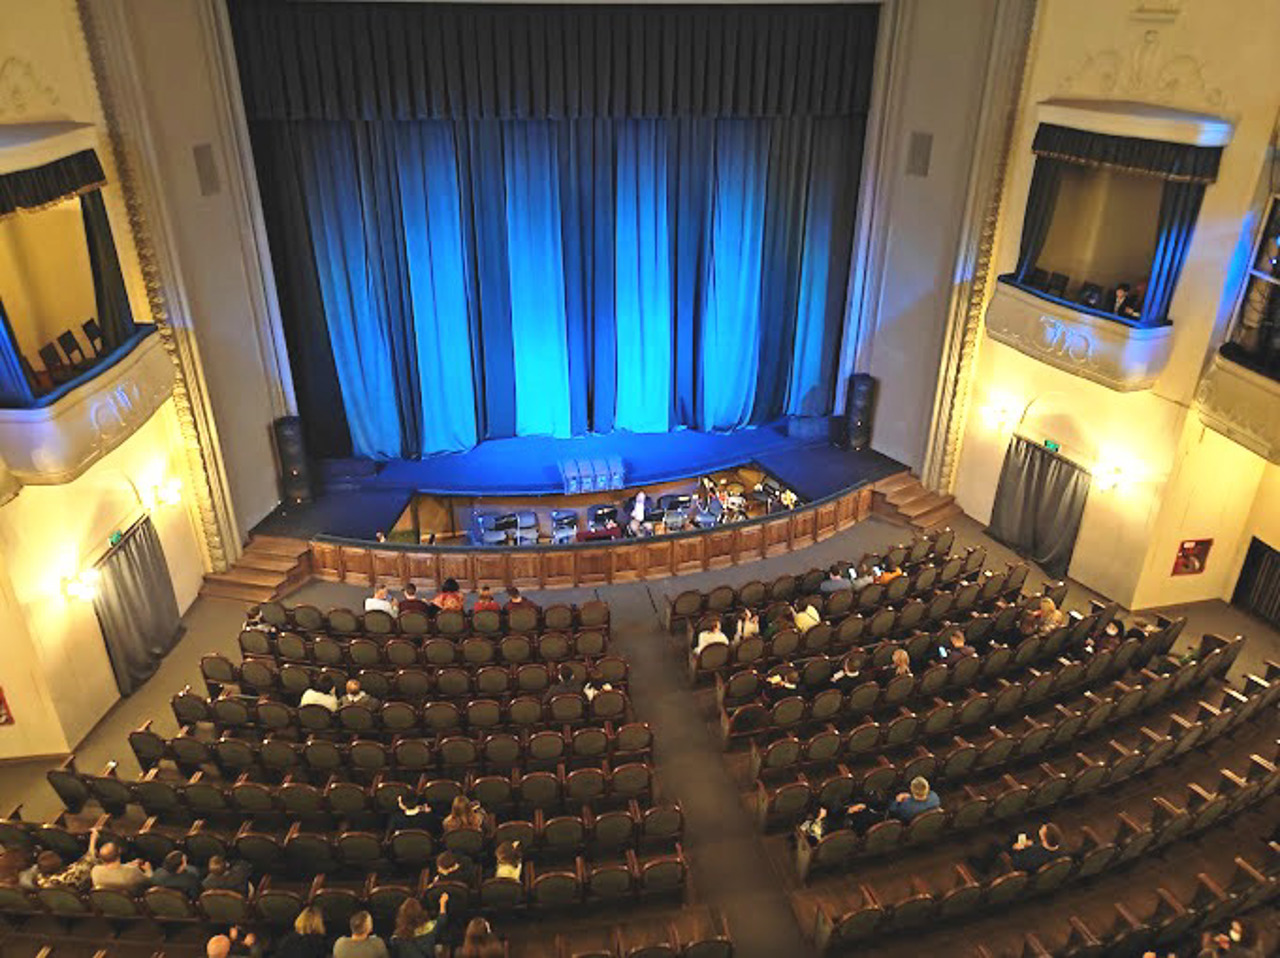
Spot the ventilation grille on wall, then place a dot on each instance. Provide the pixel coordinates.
(206, 169)
(918, 152)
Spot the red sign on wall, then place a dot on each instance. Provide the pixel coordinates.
(6, 717)
(1193, 556)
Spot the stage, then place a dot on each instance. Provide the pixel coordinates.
(358, 498)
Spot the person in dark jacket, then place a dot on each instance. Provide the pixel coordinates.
(416, 931)
(175, 872)
(307, 940)
(227, 876)
(1029, 853)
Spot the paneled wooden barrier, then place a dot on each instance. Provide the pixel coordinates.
(590, 563)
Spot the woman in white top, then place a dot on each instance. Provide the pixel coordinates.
(510, 861)
(747, 627)
(712, 636)
(321, 694)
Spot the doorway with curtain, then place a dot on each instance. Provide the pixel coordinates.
(1039, 502)
(136, 606)
(1258, 588)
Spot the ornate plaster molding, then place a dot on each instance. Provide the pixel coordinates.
(1119, 357)
(1242, 405)
(1144, 71)
(1007, 74)
(199, 441)
(56, 443)
(23, 90)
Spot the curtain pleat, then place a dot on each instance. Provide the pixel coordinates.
(1179, 208)
(1039, 502)
(136, 606)
(40, 186)
(1259, 587)
(1041, 200)
(1174, 161)
(15, 387)
(115, 318)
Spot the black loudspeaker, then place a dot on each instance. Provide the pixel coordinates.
(859, 407)
(295, 472)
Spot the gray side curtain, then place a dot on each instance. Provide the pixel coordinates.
(1038, 506)
(1258, 588)
(136, 607)
(114, 315)
(1041, 200)
(1179, 208)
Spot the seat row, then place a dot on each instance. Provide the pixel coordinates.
(1075, 776)
(207, 796)
(611, 882)
(844, 924)
(397, 651)
(924, 551)
(276, 755)
(1066, 675)
(560, 617)
(414, 683)
(401, 718)
(783, 791)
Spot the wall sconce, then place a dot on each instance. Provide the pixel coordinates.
(82, 586)
(997, 414)
(1108, 475)
(167, 492)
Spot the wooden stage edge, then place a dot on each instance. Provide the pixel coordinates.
(590, 563)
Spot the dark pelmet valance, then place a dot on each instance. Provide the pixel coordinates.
(1168, 161)
(399, 61)
(44, 185)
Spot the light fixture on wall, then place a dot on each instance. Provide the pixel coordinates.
(998, 414)
(83, 585)
(1110, 474)
(167, 492)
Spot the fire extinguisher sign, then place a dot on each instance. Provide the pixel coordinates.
(6, 717)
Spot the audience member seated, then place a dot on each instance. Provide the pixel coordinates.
(565, 683)
(780, 683)
(509, 861)
(865, 574)
(112, 873)
(834, 582)
(707, 511)
(485, 602)
(849, 675)
(227, 876)
(380, 600)
(362, 942)
(450, 597)
(806, 617)
(237, 943)
(1028, 854)
(1126, 301)
(413, 814)
(358, 696)
(712, 636)
(921, 798)
(176, 872)
(955, 646)
(785, 619)
(900, 664)
(49, 870)
(1042, 620)
(465, 813)
(479, 942)
(746, 625)
(321, 694)
(411, 602)
(451, 866)
(1109, 640)
(1238, 940)
(416, 932)
(856, 816)
(890, 572)
(307, 939)
(516, 601)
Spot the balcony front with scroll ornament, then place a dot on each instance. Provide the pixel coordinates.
(1082, 341)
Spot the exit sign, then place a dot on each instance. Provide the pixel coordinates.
(1051, 445)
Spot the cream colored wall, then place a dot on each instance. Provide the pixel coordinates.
(214, 244)
(46, 282)
(1214, 57)
(48, 532)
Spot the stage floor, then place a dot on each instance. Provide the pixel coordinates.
(363, 498)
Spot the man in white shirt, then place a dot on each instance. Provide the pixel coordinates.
(638, 511)
(712, 636)
(380, 600)
(320, 694)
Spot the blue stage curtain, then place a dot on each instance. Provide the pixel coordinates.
(643, 280)
(115, 318)
(15, 387)
(539, 334)
(428, 175)
(730, 337)
(1179, 208)
(354, 316)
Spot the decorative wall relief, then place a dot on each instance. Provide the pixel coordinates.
(23, 92)
(1144, 71)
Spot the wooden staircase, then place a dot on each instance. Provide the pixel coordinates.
(269, 567)
(901, 498)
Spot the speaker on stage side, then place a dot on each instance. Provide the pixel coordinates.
(859, 407)
(295, 471)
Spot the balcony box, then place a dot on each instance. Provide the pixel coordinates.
(1242, 405)
(1088, 343)
(56, 441)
